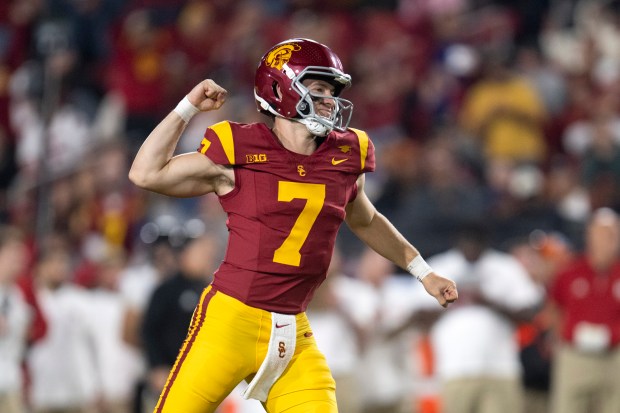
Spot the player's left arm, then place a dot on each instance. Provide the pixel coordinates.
(376, 231)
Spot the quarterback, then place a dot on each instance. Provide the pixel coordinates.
(286, 189)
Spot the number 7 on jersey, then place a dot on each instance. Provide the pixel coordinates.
(314, 194)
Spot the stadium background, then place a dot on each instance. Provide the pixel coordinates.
(82, 82)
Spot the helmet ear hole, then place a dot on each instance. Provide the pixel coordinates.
(276, 91)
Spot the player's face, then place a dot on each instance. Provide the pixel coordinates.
(603, 240)
(321, 92)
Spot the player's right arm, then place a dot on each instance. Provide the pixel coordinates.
(157, 169)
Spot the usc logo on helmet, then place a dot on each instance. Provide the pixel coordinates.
(280, 55)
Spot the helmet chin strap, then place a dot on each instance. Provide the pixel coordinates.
(314, 127)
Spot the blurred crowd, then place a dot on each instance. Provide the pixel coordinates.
(500, 112)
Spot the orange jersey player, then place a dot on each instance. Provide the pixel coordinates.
(286, 189)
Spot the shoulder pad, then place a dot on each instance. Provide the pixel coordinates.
(225, 142)
(366, 150)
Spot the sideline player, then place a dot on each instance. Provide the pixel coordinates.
(286, 190)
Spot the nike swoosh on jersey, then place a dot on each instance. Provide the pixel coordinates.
(338, 161)
(281, 325)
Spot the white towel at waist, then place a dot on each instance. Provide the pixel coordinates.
(281, 349)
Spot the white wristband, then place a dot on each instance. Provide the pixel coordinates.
(186, 110)
(419, 268)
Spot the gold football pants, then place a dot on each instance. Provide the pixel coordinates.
(226, 343)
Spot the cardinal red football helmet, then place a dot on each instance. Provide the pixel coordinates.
(284, 67)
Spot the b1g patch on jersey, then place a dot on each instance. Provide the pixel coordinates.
(256, 158)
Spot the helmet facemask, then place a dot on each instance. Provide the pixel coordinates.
(317, 125)
(340, 115)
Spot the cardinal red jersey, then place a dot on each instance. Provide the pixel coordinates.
(284, 211)
(585, 296)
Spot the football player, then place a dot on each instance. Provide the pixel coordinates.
(286, 189)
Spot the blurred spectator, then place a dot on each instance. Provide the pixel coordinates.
(402, 169)
(476, 353)
(196, 24)
(88, 24)
(140, 75)
(504, 113)
(138, 281)
(381, 87)
(61, 364)
(542, 254)
(153, 260)
(518, 201)
(601, 117)
(170, 308)
(118, 364)
(385, 370)
(56, 131)
(596, 23)
(239, 43)
(447, 196)
(585, 296)
(568, 196)
(548, 80)
(340, 314)
(15, 318)
(140, 278)
(601, 165)
(117, 208)
(17, 21)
